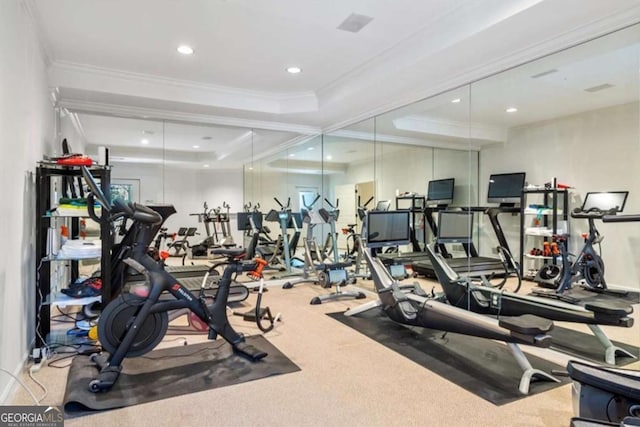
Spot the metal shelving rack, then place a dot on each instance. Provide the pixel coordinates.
(45, 173)
(550, 218)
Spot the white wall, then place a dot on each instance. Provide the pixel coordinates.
(26, 133)
(593, 151)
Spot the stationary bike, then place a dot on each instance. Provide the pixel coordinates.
(588, 265)
(131, 325)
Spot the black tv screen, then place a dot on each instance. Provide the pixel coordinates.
(440, 191)
(455, 226)
(388, 228)
(243, 220)
(505, 187)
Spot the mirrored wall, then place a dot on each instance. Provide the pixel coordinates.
(570, 118)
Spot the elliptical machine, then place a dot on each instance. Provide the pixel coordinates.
(336, 272)
(131, 326)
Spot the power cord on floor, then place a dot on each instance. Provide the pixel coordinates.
(36, 368)
(33, 396)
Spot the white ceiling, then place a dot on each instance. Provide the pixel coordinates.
(119, 58)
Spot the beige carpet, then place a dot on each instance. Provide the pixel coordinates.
(346, 379)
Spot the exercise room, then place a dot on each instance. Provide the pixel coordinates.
(288, 212)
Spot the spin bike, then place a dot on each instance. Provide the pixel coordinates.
(131, 325)
(588, 265)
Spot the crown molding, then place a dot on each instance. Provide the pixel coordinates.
(100, 79)
(377, 137)
(180, 117)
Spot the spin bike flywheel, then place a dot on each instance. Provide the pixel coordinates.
(594, 272)
(118, 316)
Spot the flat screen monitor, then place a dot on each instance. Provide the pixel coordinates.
(440, 191)
(383, 205)
(505, 188)
(605, 201)
(455, 226)
(243, 220)
(388, 228)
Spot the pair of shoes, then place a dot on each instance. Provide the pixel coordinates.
(91, 287)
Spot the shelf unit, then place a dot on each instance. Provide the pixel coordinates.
(46, 174)
(555, 210)
(417, 205)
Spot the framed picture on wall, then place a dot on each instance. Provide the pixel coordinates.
(126, 189)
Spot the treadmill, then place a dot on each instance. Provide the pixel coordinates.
(439, 197)
(504, 189)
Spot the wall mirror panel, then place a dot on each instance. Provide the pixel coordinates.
(571, 117)
(348, 171)
(425, 142)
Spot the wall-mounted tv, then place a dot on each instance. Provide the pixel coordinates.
(505, 188)
(388, 228)
(455, 226)
(440, 192)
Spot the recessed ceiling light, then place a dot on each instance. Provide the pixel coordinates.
(185, 50)
(294, 70)
(144, 141)
(455, 101)
(511, 110)
(329, 157)
(250, 168)
(205, 166)
(196, 146)
(311, 148)
(292, 155)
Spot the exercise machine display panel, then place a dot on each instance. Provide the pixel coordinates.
(455, 227)
(383, 205)
(243, 220)
(605, 201)
(505, 187)
(388, 228)
(440, 191)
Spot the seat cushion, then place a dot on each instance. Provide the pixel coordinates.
(527, 324)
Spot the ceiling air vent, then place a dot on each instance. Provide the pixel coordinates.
(544, 73)
(354, 23)
(598, 88)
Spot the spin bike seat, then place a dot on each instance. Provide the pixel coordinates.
(609, 309)
(233, 252)
(527, 324)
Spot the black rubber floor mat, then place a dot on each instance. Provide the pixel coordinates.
(481, 366)
(171, 372)
(586, 346)
(585, 296)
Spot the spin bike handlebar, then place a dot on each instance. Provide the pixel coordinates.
(621, 218)
(594, 213)
(136, 212)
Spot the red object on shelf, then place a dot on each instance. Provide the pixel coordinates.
(75, 160)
